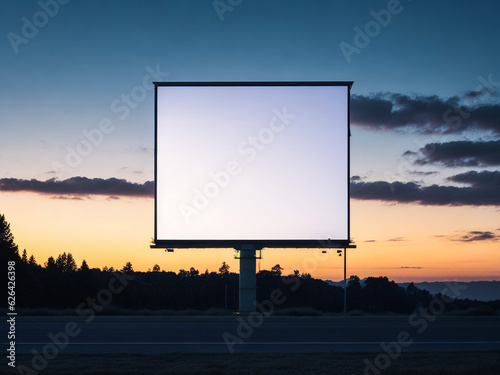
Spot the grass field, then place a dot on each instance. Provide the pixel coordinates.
(474, 363)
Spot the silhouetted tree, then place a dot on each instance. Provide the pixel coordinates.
(127, 268)
(66, 263)
(8, 249)
(32, 261)
(24, 257)
(156, 268)
(61, 262)
(70, 263)
(354, 291)
(224, 269)
(183, 273)
(382, 295)
(84, 268)
(50, 264)
(193, 272)
(276, 270)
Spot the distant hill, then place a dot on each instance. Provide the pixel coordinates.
(480, 290)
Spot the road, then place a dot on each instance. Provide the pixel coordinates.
(255, 334)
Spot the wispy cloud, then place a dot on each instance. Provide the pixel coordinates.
(69, 197)
(78, 186)
(396, 239)
(420, 173)
(476, 235)
(412, 267)
(423, 114)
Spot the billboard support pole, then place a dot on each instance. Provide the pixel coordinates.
(247, 292)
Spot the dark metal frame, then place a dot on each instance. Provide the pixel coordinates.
(258, 244)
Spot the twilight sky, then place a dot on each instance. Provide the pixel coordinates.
(76, 123)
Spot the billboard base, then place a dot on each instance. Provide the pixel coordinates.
(247, 292)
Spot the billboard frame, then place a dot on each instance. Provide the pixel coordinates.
(261, 243)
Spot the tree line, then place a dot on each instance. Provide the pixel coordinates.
(60, 284)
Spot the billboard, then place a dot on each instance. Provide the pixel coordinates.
(262, 163)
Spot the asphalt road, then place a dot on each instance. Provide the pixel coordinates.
(254, 334)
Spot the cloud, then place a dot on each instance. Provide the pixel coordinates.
(420, 173)
(484, 179)
(77, 186)
(422, 114)
(460, 154)
(477, 235)
(68, 197)
(413, 268)
(396, 239)
(483, 190)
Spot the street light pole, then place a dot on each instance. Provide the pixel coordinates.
(345, 281)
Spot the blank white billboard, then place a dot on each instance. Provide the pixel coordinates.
(254, 162)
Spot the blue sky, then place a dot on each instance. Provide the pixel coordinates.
(88, 59)
(89, 54)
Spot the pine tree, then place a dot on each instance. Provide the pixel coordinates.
(61, 262)
(8, 249)
(32, 261)
(84, 267)
(128, 268)
(70, 263)
(224, 269)
(50, 264)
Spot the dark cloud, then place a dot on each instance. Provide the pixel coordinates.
(422, 114)
(477, 235)
(397, 239)
(369, 241)
(460, 154)
(355, 178)
(483, 190)
(413, 268)
(80, 186)
(484, 179)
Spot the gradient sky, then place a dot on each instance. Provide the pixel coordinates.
(76, 105)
